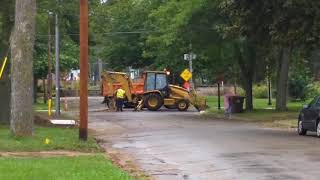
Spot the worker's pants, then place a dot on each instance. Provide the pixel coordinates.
(119, 104)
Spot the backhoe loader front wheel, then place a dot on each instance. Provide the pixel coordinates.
(182, 105)
(153, 101)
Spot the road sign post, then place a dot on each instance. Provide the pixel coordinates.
(57, 113)
(219, 96)
(190, 57)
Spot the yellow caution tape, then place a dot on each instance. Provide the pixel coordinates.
(49, 107)
(3, 66)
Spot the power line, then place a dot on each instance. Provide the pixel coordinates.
(71, 14)
(109, 33)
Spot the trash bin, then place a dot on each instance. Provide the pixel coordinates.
(237, 104)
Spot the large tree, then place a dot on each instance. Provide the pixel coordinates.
(294, 26)
(178, 25)
(120, 30)
(278, 26)
(6, 23)
(22, 43)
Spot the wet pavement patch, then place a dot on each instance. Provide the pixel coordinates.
(182, 146)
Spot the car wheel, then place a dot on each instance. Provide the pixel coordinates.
(318, 129)
(301, 130)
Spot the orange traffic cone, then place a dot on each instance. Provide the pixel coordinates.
(65, 107)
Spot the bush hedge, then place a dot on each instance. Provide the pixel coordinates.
(313, 89)
(260, 91)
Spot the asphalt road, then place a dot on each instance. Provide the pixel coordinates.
(182, 145)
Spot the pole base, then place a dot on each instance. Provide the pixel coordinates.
(83, 134)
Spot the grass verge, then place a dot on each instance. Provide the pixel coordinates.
(59, 139)
(62, 168)
(263, 113)
(41, 106)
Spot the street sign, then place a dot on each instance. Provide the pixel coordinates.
(186, 75)
(186, 85)
(189, 57)
(193, 56)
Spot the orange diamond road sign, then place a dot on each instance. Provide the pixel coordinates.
(186, 85)
(186, 75)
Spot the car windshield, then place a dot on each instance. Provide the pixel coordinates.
(317, 103)
(314, 102)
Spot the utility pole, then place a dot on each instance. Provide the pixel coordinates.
(99, 69)
(191, 56)
(219, 96)
(84, 51)
(57, 104)
(49, 88)
(269, 87)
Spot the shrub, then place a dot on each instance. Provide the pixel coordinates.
(299, 77)
(298, 85)
(260, 91)
(313, 89)
(241, 92)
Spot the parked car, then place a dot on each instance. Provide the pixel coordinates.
(309, 118)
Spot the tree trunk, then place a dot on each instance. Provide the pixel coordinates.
(22, 42)
(283, 76)
(5, 89)
(35, 86)
(235, 87)
(5, 98)
(249, 94)
(247, 66)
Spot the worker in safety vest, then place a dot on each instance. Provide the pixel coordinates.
(120, 95)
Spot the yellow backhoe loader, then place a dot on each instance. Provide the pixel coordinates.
(154, 92)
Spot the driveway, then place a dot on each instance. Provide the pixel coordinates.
(183, 145)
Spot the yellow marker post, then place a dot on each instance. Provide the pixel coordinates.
(3, 66)
(47, 141)
(49, 107)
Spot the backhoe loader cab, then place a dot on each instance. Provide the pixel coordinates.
(156, 81)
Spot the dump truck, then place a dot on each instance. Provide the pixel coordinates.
(152, 91)
(111, 81)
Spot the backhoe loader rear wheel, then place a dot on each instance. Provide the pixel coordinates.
(153, 101)
(182, 105)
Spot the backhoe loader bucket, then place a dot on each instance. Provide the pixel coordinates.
(199, 102)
